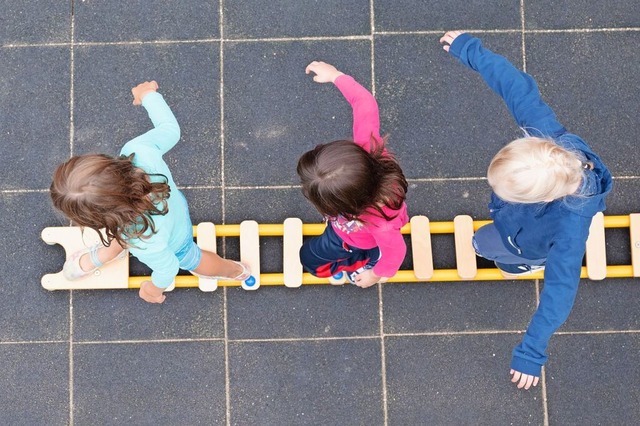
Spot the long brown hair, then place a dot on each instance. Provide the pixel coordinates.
(98, 191)
(342, 178)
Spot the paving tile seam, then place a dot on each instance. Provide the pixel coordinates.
(543, 382)
(312, 339)
(522, 37)
(33, 342)
(383, 354)
(71, 362)
(23, 191)
(135, 341)
(71, 153)
(543, 391)
(270, 187)
(321, 38)
(596, 332)
(511, 31)
(383, 357)
(225, 321)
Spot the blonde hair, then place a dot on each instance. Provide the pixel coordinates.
(534, 170)
(98, 191)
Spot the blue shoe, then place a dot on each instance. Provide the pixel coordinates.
(519, 270)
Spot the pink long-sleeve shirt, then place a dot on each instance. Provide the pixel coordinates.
(373, 230)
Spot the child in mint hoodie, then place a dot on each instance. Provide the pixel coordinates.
(547, 186)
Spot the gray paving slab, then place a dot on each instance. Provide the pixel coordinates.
(32, 21)
(35, 384)
(205, 204)
(188, 78)
(458, 306)
(121, 315)
(605, 305)
(283, 18)
(149, 383)
(592, 379)
(306, 383)
(408, 15)
(141, 20)
(618, 246)
(270, 121)
(312, 355)
(433, 106)
(34, 123)
(27, 311)
(310, 311)
(591, 97)
(442, 200)
(623, 198)
(581, 14)
(269, 205)
(445, 380)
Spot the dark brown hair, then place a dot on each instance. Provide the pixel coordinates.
(342, 178)
(98, 191)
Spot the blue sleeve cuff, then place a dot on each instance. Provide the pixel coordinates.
(526, 366)
(458, 44)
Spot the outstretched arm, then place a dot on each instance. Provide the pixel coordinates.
(518, 89)
(166, 132)
(366, 118)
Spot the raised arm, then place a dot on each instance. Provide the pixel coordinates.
(166, 132)
(518, 89)
(366, 118)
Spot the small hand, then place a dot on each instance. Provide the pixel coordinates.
(325, 73)
(448, 37)
(366, 279)
(526, 380)
(142, 89)
(150, 293)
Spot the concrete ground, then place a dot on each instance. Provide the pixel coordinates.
(233, 72)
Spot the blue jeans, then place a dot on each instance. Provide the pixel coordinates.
(327, 255)
(488, 244)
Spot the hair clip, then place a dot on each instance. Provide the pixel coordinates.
(587, 165)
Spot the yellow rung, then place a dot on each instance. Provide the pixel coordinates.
(404, 276)
(313, 229)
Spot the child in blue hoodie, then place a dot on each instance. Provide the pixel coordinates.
(547, 186)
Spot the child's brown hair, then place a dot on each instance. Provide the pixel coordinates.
(342, 178)
(98, 191)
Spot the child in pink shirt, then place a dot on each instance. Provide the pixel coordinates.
(359, 188)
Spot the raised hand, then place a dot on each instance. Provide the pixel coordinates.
(142, 89)
(325, 73)
(448, 38)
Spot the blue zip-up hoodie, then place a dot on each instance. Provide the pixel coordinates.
(557, 230)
